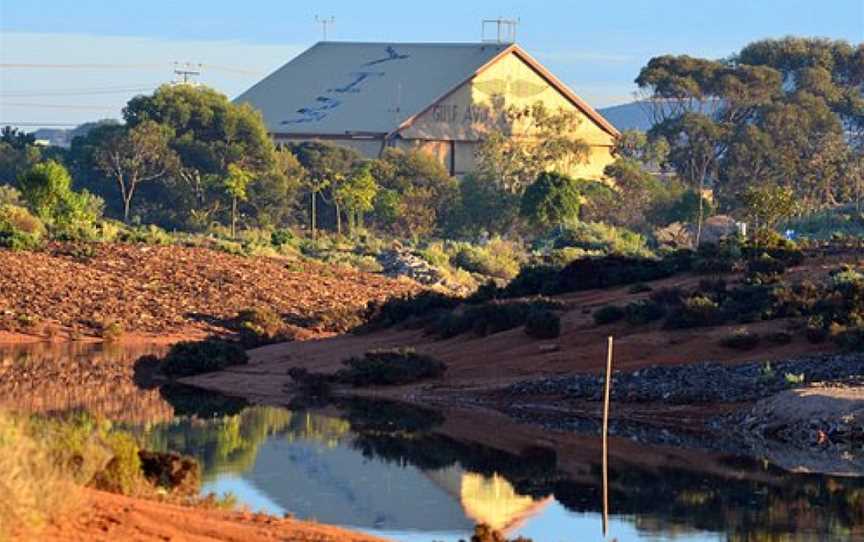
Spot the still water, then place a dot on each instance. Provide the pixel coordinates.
(386, 468)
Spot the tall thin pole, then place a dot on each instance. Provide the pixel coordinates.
(606, 396)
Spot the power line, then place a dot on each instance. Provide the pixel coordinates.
(92, 92)
(59, 106)
(82, 66)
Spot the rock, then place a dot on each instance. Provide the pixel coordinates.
(177, 473)
(718, 227)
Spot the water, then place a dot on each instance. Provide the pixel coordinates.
(389, 469)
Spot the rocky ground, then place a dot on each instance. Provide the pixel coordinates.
(70, 290)
(699, 382)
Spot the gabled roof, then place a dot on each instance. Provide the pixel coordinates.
(334, 88)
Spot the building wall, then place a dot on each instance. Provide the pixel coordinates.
(468, 114)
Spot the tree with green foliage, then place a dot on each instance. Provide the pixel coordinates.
(357, 195)
(237, 187)
(767, 204)
(551, 200)
(696, 144)
(420, 192)
(274, 196)
(47, 189)
(483, 207)
(327, 166)
(789, 112)
(209, 133)
(528, 141)
(134, 156)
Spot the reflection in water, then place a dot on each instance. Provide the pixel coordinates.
(383, 467)
(97, 377)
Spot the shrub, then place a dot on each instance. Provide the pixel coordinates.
(639, 288)
(34, 486)
(281, 237)
(148, 235)
(608, 314)
(696, 311)
(610, 271)
(389, 367)
(111, 330)
(741, 339)
(424, 306)
(176, 473)
(491, 317)
(816, 331)
(849, 338)
(498, 258)
(19, 230)
(543, 324)
(643, 312)
(669, 297)
(258, 326)
(309, 383)
(122, 474)
(598, 236)
(765, 268)
(190, 358)
(534, 280)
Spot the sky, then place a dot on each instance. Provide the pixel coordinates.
(71, 61)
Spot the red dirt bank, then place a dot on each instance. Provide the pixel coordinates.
(106, 517)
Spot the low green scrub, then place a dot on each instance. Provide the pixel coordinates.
(543, 324)
(195, 357)
(422, 307)
(259, 326)
(741, 339)
(607, 315)
(605, 238)
(497, 258)
(489, 318)
(643, 312)
(389, 368)
(696, 311)
(19, 230)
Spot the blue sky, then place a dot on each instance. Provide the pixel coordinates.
(595, 47)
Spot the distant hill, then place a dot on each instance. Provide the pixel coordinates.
(59, 137)
(632, 116)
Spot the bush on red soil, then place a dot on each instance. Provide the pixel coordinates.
(189, 358)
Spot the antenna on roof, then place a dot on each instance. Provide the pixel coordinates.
(186, 72)
(325, 22)
(505, 30)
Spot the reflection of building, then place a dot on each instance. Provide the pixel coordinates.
(339, 485)
(432, 96)
(489, 499)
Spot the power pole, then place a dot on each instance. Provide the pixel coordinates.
(185, 72)
(325, 22)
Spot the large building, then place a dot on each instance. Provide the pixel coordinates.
(432, 96)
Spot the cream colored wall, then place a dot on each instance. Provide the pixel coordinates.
(466, 114)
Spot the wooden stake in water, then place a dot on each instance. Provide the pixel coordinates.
(606, 395)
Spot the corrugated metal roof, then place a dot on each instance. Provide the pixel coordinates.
(334, 87)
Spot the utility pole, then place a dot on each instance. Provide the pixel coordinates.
(325, 22)
(185, 72)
